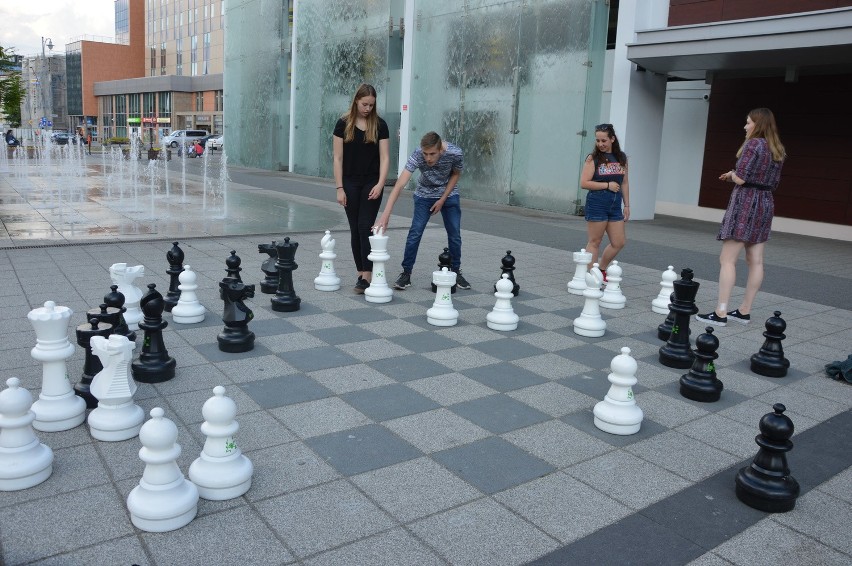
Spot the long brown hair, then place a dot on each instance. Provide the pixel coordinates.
(600, 157)
(371, 132)
(765, 127)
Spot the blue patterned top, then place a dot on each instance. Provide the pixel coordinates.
(433, 180)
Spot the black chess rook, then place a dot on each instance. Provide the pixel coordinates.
(676, 352)
(236, 337)
(770, 360)
(92, 364)
(175, 258)
(701, 383)
(285, 299)
(154, 365)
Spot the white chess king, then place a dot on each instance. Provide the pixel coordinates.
(378, 291)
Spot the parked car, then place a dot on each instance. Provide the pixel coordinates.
(216, 142)
(62, 138)
(173, 139)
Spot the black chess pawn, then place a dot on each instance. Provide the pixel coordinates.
(445, 259)
(701, 384)
(770, 360)
(175, 258)
(676, 352)
(115, 299)
(285, 299)
(766, 484)
(270, 283)
(508, 267)
(105, 314)
(233, 266)
(92, 364)
(154, 365)
(236, 337)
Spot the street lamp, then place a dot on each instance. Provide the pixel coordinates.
(45, 42)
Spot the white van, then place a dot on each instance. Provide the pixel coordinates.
(173, 139)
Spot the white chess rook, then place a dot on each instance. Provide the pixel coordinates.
(164, 500)
(24, 461)
(590, 323)
(503, 317)
(618, 413)
(660, 305)
(116, 417)
(58, 407)
(612, 297)
(124, 276)
(327, 280)
(221, 471)
(442, 312)
(188, 309)
(578, 284)
(378, 291)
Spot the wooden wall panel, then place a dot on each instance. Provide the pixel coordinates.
(685, 12)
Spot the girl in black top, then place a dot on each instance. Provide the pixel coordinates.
(361, 160)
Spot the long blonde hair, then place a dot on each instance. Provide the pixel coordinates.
(371, 132)
(765, 127)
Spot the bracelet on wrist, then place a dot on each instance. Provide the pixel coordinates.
(338, 188)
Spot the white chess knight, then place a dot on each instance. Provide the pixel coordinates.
(24, 461)
(618, 413)
(327, 280)
(590, 323)
(660, 305)
(378, 291)
(578, 284)
(124, 277)
(442, 312)
(503, 317)
(164, 500)
(188, 309)
(58, 407)
(116, 417)
(222, 471)
(612, 297)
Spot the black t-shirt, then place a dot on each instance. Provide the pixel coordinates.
(361, 159)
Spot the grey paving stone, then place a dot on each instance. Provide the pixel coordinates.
(125, 550)
(122, 458)
(361, 316)
(584, 420)
(553, 398)
(552, 366)
(436, 430)
(821, 516)
(351, 378)
(723, 433)
(557, 443)
(408, 367)
(462, 358)
(285, 468)
(285, 390)
(682, 455)
(252, 369)
(271, 327)
(499, 413)
(391, 548)
(507, 349)
(257, 430)
(550, 341)
(187, 406)
(838, 485)
(769, 542)
(315, 418)
(727, 399)
(669, 411)
(802, 403)
(298, 340)
(389, 402)
(212, 352)
(492, 464)
(591, 355)
(319, 358)
(200, 377)
(503, 377)
(370, 350)
(343, 335)
(450, 388)
(362, 449)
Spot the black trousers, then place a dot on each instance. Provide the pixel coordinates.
(361, 213)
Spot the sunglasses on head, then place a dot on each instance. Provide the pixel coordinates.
(604, 128)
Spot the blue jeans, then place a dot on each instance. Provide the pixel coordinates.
(451, 213)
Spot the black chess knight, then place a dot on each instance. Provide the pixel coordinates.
(236, 337)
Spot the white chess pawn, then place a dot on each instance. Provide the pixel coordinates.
(578, 284)
(378, 291)
(116, 416)
(660, 305)
(327, 280)
(24, 461)
(124, 276)
(442, 312)
(58, 407)
(222, 471)
(612, 297)
(164, 500)
(503, 317)
(618, 413)
(188, 309)
(590, 323)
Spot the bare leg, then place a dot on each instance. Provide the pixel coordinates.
(727, 273)
(617, 239)
(754, 259)
(596, 232)
(366, 275)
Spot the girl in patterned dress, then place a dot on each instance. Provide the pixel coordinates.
(748, 219)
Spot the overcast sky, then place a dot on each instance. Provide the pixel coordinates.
(24, 22)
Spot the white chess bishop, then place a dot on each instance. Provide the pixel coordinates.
(618, 413)
(116, 417)
(24, 461)
(590, 323)
(58, 407)
(164, 500)
(442, 312)
(581, 260)
(188, 309)
(503, 316)
(124, 277)
(379, 291)
(660, 304)
(222, 471)
(327, 280)
(612, 297)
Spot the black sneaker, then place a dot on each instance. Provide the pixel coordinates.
(739, 317)
(403, 281)
(461, 282)
(712, 318)
(361, 286)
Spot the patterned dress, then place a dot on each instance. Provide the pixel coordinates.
(751, 208)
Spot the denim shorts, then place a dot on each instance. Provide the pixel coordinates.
(603, 206)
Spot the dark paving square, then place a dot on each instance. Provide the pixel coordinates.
(420, 320)
(728, 398)
(357, 450)
(499, 413)
(210, 319)
(389, 402)
(305, 309)
(650, 336)
(272, 326)
(343, 335)
(362, 315)
(569, 331)
(420, 342)
(492, 464)
(507, 349)
(589, 355)
(793, 374)
(594, 384)
(585, 421)
(286, 390)
(314, 359)
(409, 368)
(214, 354)
(504, 377)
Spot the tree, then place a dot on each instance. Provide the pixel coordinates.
(11, 89)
